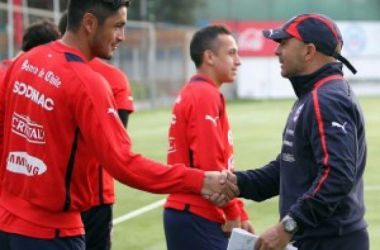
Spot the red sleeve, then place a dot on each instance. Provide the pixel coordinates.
(118, 82)
(101, 128)
(121, 89)
(232, 210)
(243, 213)
(208, 133)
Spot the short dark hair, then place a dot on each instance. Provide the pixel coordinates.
(62, 25)
(40, 32)
(101, 9)
(206, 39)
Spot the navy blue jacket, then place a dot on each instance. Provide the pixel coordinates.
(319, 172)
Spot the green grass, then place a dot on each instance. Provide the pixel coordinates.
(257, 128)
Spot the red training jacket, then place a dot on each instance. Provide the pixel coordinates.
(54, 112)
(200, 137)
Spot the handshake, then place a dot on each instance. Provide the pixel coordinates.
(220, 187)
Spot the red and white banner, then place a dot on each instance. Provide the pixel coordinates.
(249, 36)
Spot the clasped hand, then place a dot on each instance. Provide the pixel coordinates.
(219, 187)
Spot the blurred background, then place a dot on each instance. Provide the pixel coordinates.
(155, 54)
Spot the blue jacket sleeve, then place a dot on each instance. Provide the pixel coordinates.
(260, 184)
(332, 135)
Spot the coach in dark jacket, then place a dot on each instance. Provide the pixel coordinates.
(319, 172)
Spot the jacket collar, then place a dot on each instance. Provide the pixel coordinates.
(305, 83)
(59, 46)
(203, 78)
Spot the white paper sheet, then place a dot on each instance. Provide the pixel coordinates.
(242, 240)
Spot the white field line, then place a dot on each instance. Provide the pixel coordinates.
(160, 203)
(138, 212)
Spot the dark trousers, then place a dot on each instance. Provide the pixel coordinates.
(98, 226)
(358, 240)
(187, 231)
(9, 241)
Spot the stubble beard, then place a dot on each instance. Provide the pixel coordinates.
(100, 49)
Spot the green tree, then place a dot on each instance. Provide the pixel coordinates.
(168, 11)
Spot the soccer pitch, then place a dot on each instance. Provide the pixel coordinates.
(257, 129)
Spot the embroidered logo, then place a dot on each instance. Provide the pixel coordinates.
(338, 125)
(298, 112)
(112, 111)
(23, 163)
(213, 120)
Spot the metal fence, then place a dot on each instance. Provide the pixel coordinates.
(13, 17)
(156, 60)
(154, 56)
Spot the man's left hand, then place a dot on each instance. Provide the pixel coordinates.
(229, 225)
(247, 226)
(274, 238)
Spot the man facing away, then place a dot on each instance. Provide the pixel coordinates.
(200, 137)
(98, 219)
(54, 111)
(37, 33)
(319, 173)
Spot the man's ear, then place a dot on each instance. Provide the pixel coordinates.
(90, 23)
(311, 50)
(208, 57)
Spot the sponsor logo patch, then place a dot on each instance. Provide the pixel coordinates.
(298, 112)
(174, 119)
(230, 139)
(172, 146)
(231, 163)
(34, 95)
(178, 100)
(288, 157)
(31, 131)
(290, 131)
(26, 66)
(288, 143)
(52, 79)
(23, 163)
(212, 119)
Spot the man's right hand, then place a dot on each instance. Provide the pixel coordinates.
(216, 183)
(227, 184)
(230, 176)
(274, 238)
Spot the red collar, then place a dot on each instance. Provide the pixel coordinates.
(203, 78)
